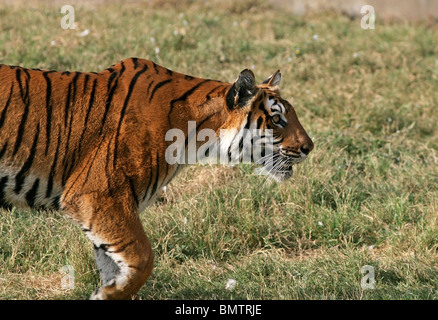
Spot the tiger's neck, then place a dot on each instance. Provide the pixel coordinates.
(211, 134)
(207, 106)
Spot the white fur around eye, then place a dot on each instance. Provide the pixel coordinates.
(272, 105)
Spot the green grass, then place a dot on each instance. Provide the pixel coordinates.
(366, 196)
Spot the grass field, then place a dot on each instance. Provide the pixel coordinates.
(367, 195)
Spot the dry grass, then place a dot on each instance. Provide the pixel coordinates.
(14, 286)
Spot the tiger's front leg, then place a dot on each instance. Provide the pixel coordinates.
(123, 252)
(124, 264)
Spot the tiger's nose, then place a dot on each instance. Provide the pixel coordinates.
(307, 147)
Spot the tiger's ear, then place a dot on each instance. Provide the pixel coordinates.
(274, 80)
(242, 90)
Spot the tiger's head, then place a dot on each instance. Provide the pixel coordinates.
(261, 107)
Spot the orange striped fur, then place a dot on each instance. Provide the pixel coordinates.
(93, 145)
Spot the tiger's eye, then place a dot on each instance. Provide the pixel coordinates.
(276, 118)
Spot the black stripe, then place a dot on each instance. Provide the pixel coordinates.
(74, 82)
(122, 248)
(32, 193)
(23, 91)
(149, 183)
(87, 78)
(110, 80)
(185, 95)
(5, 109)
(245, 132)
(27, 82)
(187, 77)
(68, 169)
(88, 166)
(231, 145)
(188, 93)
(67, 105)
(223, 91)
(165, 175)
(241, 140)
(103, 246)
(262, 107)
(208, 96)
(133, 191)
(53, 168)
(149, 87)
(3, 182)
(108, 172)
(259, 122)
(199, 126)
(3, 203)
(68, 162)
(19, 178)
(56, 203)
(155, 187)
(108, 103)
(125, 105)
(90, 162)
(169, 72)
(87, 115)
(155, 67)
(65, 73)
(3, 150)
(26, 101)
(134, 267)
(248, 120)
(106, 246)
(48, 110)
(135, 61)
(131, 185)
(122, 69)
(158, 86)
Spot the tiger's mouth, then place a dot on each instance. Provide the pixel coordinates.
(280, 166)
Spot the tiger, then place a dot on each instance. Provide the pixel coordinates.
(92, 145)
